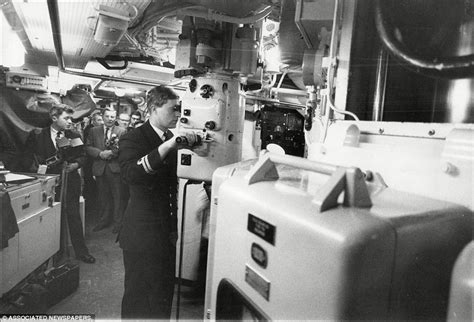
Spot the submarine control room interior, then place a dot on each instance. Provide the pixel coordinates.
(237, 160)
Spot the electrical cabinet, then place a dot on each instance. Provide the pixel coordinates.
(39, 220)
(291, 240)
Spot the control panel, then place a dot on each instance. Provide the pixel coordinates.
(26, 81)
(211, 108)
(283, 127)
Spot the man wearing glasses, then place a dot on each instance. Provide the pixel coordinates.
(147, 159)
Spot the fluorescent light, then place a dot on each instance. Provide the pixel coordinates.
(12, 52)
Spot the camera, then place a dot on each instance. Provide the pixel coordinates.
(68, 149)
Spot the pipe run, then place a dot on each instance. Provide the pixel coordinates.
(447, 67)
(211, 15)
(287, 105)
(55, 27)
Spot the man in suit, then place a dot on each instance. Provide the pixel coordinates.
(7, 149)
(148, 235)
(134, 119)
(44, 146)
(102, 147)
(90, 191)
(123, 120)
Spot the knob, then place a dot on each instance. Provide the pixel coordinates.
(183, 120)
(211, 125)
(207, 91)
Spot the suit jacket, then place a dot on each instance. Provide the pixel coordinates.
(7, 149)
(151, 212)
(41, 147)
(95, 144)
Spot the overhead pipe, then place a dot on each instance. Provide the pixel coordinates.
(187, 9)
(287, 105)
(149, 20)
(55, 26)
(380, 85)
(211, 15)
(56, 29)
(442, 67)
(12, 18)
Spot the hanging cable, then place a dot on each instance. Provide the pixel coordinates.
(333, 64)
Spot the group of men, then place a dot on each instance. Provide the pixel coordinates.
(140, 158)
(102, 170)
(102, 148)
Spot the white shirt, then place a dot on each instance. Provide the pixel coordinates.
(54, 134)
(160, 133)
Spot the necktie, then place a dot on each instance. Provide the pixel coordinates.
(167, 135)
(58, 136)
(106, 134)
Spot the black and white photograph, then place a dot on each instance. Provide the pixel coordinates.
(237, 160)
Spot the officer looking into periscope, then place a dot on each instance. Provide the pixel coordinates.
(59, 150)
(147, 159)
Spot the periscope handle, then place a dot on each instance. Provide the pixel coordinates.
(184, 140)
(181, 139)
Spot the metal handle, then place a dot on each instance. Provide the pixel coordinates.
(265, 169)
(304, 164)
(184, 140)
(348, 179)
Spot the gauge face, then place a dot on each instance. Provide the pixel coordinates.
(16, 79)
(259, 255)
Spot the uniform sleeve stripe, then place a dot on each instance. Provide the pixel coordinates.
(147, 163)
(143, 164)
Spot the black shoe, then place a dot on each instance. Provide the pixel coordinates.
(86, 258)
(100, 227)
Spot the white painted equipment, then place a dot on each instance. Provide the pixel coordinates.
(211, 107)
(38, 219)
(294, 239)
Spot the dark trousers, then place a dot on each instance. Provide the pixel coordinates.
(110, 197)
(125, 197)
(149, 285)
(73, 193)
(90, 192)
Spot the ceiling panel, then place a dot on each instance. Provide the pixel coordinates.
(77, 21)
(35, 19)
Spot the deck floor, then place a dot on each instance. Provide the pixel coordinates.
(101, 284)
